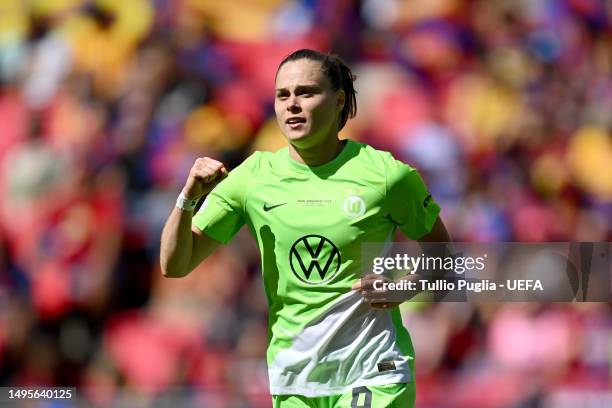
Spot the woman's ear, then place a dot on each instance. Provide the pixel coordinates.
(341, 100)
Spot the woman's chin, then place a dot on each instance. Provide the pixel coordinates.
(297, 136)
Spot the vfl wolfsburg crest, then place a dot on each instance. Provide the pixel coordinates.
(314, 259)
(354, 206)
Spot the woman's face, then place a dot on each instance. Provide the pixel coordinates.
(306, 106)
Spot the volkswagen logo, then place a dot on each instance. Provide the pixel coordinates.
(314, 259)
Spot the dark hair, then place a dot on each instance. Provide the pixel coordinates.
(338, 73)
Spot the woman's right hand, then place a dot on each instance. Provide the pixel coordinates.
(204, 175)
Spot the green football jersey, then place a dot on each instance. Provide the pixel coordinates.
(310, 223)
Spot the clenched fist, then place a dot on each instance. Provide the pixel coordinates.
(204, 175)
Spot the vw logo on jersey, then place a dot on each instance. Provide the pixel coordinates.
(354, 206)
(314, 252)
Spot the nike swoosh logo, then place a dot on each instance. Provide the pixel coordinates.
(266, 208)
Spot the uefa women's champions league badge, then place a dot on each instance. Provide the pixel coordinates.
(206, 200)
(204, 205)
(353, 205)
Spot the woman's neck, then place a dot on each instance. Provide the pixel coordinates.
(317, 155)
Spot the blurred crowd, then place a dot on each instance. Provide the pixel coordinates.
(504, 106)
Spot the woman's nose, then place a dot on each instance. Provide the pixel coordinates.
(293, 104)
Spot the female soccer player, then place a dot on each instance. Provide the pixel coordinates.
(333, 342)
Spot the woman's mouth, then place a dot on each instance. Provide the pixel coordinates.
(295, 122)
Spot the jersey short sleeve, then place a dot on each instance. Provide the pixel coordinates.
(222, 214)
(409, 203)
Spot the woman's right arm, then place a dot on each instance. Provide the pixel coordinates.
(184, 246)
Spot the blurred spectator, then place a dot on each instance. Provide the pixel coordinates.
(504, 106)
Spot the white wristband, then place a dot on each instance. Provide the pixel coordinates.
(186, 204)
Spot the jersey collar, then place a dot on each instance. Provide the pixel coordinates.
(329, 167)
